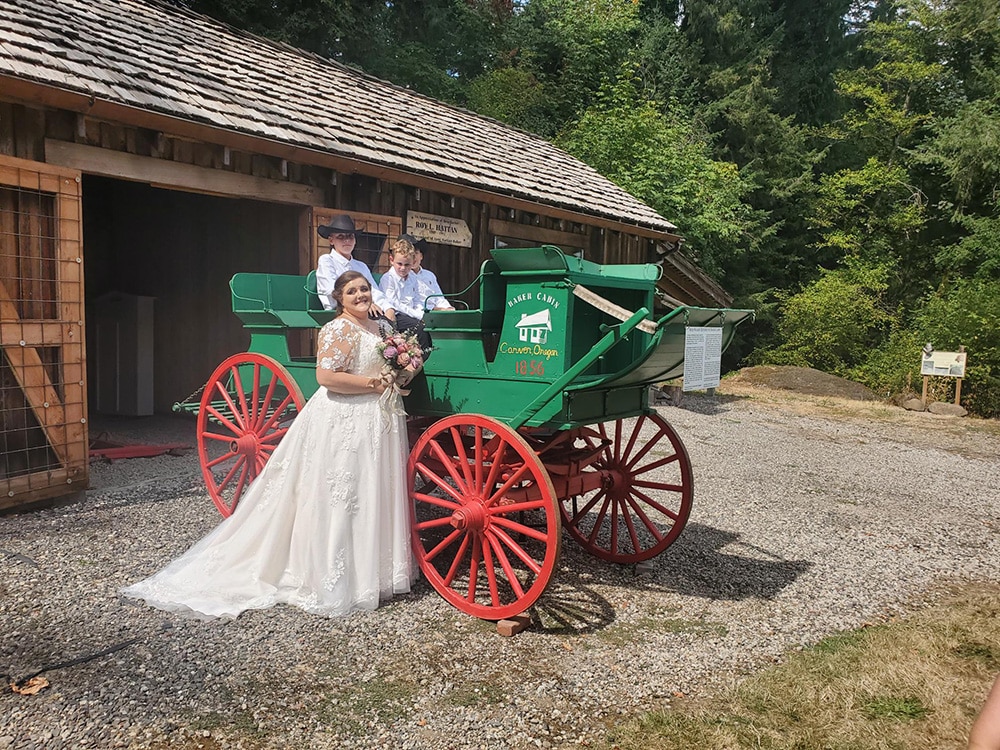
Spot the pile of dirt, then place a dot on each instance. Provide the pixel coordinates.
(800, 380)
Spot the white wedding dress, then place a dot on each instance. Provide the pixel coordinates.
(325, 527)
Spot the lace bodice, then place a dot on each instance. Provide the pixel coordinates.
(344, 346)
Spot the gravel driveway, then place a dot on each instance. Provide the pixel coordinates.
(805, 522)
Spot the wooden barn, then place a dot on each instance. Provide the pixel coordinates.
(148, 153)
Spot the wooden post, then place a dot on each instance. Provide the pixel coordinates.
(923, 397)
(958, 382)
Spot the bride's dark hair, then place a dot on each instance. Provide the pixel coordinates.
(341, 283)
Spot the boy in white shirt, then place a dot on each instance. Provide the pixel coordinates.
(429, 287)
(402, 292)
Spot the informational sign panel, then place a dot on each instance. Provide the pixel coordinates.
(948, 364)
(702, 357)
(444, 230)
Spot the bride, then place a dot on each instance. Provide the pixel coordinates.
(325, 527)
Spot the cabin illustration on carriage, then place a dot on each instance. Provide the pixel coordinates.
(138, 180)
(535, 328)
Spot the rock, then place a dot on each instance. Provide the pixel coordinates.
(914, 404)
(946, 409)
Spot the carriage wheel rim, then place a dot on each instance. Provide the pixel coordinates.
(622, 522)
(232, 413)
(487, 535)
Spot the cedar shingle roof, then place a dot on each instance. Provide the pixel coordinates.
(162, 58)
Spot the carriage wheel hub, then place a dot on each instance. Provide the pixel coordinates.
(247, 444)
(470, 517)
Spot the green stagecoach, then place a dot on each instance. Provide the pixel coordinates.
(531, 416)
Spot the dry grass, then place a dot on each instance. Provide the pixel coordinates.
(914, 683)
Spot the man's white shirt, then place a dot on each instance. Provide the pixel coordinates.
(329, 269)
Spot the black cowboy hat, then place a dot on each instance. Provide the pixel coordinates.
(342, 224)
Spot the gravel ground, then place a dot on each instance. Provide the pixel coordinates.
(805, 523)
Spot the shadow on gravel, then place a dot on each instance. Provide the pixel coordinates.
(570, 607)
(695, 566)
(700, 403)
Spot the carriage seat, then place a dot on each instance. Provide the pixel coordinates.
(270, 300)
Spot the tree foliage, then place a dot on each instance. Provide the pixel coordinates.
(835, 163)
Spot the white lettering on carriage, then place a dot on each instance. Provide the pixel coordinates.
(519, 298)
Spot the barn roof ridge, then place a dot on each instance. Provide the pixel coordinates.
(163, 57)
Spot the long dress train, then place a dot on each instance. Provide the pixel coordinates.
(325, 526)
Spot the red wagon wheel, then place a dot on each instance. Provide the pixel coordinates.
(245, 410)
(645, 497)
(484, 517)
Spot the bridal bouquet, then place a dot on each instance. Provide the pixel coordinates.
(403, 357)
(402, 351)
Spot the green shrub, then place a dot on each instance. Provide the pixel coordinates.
(834, 323)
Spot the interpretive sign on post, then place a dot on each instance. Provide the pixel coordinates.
(942, 364)
(945, 364)
(702, 357)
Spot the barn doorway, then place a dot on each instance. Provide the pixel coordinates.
(157, 265)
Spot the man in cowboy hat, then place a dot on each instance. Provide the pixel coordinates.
(341, 233)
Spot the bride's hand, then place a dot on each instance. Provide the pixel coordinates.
(406, 375)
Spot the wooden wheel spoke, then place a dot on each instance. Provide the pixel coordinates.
(266, 401)
(232, 472)
(650, 526)
(238, 387)
(653, 504)
(656, 464)
(456, 563)
(449, 464)
(600, 519)
(614, 525)
(520, 528)
(255, 396)
(491, 573)
(515, 507)
(641, 454)
(272, 420)
(508, 571)
(217, 436)
(440, 483)
(463, 457)
(438, 501)
(433, 523)
(443, 544)
(272, 438)
(243, 478)
(586, 508)
(514, 479)
(665, 486)
(496, 463)
(474, 569)
(630, 525)
(224, 457)
(236, 429)
(632, 438)
(518, 550)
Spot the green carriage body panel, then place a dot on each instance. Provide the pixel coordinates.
(535, 353)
